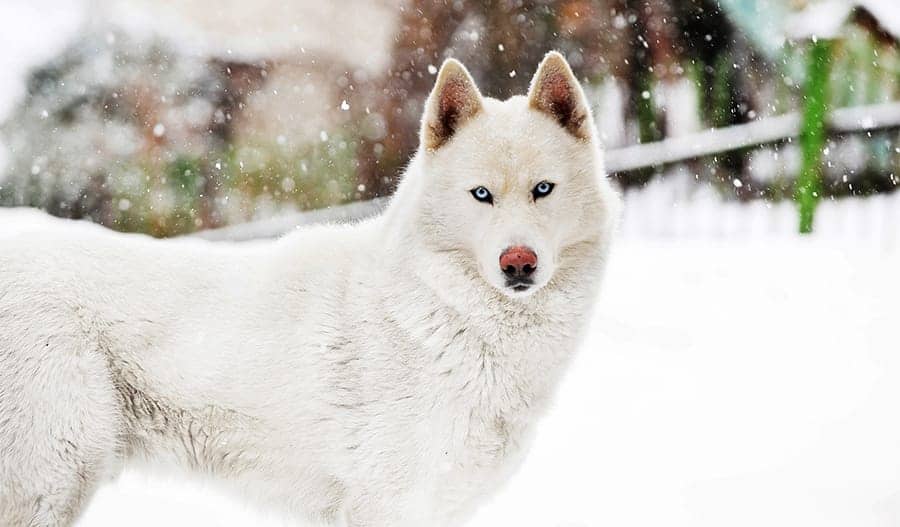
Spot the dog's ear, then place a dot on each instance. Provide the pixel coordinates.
(556, 92)
(454, 100)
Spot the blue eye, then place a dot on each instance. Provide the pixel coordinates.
(542, 189)
(482, 194)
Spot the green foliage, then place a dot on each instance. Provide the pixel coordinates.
(312, 176)
(720, 100)
(240, 184)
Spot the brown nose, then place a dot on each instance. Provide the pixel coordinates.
(518, 262)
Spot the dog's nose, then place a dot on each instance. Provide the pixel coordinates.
(518, 262)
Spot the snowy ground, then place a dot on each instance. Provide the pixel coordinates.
(727, 384)
(735, 376)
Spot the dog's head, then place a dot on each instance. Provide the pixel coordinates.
(511, 186)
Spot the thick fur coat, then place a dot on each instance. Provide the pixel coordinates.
(382, 374)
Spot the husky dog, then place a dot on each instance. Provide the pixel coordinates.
(382, 374)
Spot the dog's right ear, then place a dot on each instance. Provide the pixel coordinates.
(556, 92)
(454, 100)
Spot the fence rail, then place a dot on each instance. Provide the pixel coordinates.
(667, 151)
(763, 131)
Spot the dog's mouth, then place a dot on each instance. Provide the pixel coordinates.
(519, 285)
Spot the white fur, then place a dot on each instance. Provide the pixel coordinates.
(378, 374)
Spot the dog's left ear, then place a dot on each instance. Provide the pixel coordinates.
(454, 100)
(556, 92)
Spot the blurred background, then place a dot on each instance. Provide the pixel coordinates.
(172, 117)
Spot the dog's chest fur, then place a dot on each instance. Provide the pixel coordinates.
(488, 379)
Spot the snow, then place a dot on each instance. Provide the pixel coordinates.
(821, 20)
(672, 208)
(825, 19)
(680, 101)
(726, 384)
(609, 101)
(731, 376)
(32, 31)
(887, 12)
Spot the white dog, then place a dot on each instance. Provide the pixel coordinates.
(384, 374)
